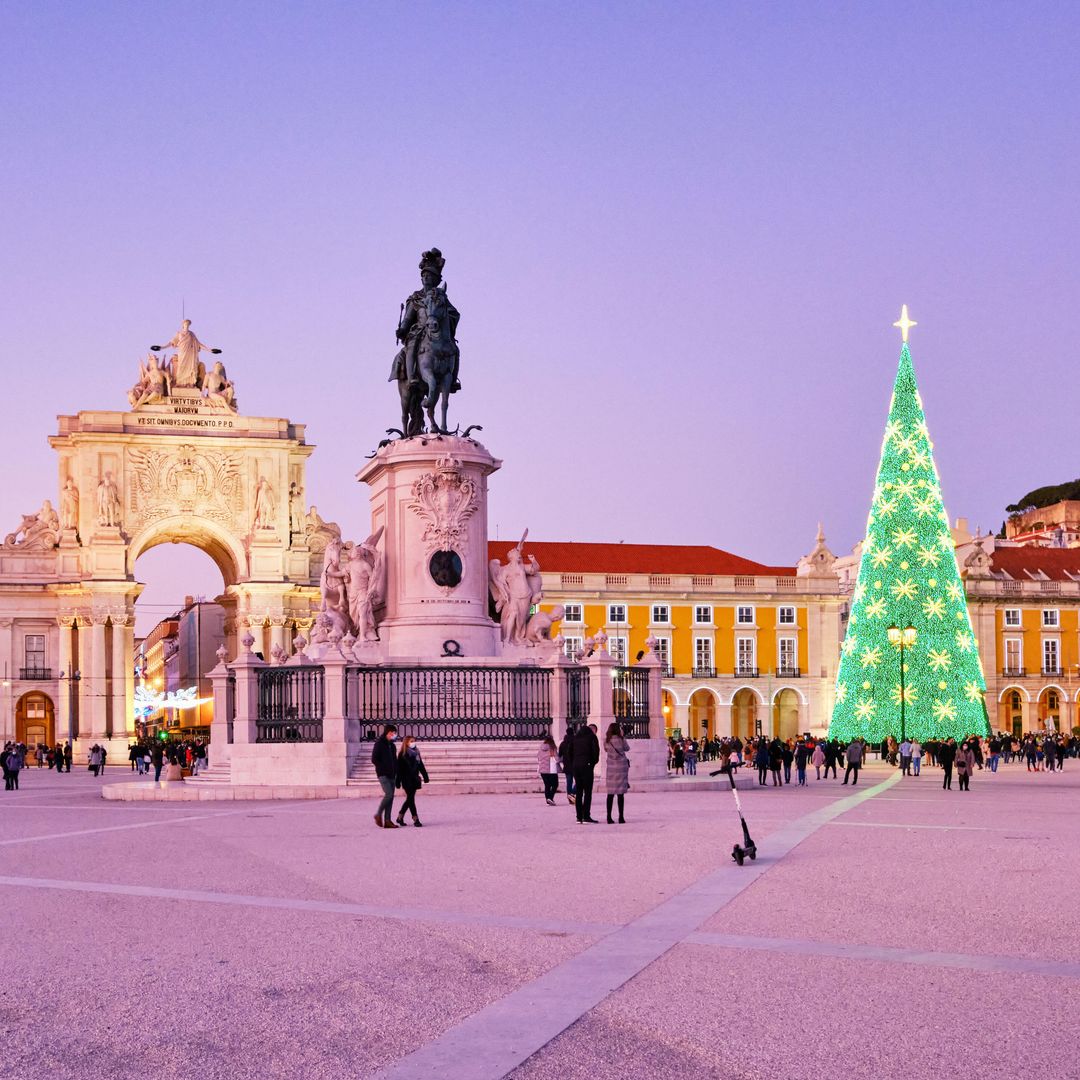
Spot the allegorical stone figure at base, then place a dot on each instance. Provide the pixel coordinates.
(515, 587)
(153, 384)
(426, 367)
(187, 369)
(108, 500)
(218, 388)
(69, 505)
(38, 532)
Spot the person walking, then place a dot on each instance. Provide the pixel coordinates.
(691, 758)
(385, 761)
(411, 776)
(67, 756)
(761, 761)
(916, 756)
(547, 765)
(946, 755)
(817, 759)
(586, 756)
(905, 757)
(787, 755)
(617, 769)
(802, 755)
(965, 766)
(854, 761)
(566, 757)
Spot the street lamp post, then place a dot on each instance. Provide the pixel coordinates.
(904, 639)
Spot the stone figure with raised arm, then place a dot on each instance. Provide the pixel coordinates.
(69, 505)
(108, 500)
(515, 587)
(187, 369)
(218, 388)
(364, 586)
(429, 359)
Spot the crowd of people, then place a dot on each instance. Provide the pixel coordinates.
(777, 757)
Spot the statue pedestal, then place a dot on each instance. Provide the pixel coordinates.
(108, 553)
(429, 493)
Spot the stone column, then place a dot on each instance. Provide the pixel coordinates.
(277, 635)
(85, 691)
(66, 670)
(723, 720)
(220, 750)
(123, 680)
(681, 718)
(98, 672)
(7, 693)
(559, 664)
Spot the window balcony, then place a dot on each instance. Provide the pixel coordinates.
(746, 672)
(667, 671)
(35, 673)
(1056, 671)
(1014, 673)
(785, 671)
(704, 673)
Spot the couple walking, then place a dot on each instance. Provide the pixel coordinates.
(404, 769)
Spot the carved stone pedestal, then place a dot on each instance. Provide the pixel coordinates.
(430, 494)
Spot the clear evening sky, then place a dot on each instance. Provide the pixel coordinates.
(677, 233)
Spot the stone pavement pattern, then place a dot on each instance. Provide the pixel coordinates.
(887, 930)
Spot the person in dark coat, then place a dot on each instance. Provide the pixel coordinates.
(761, 761)
(411, 774)
(617, 773)
(386, 769)
(855, 752)
(802, 756)
(946, 755)
(776, 760)
(829, 750)
(566, 760)
(586, 754)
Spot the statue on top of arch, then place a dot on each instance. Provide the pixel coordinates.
(160, 378)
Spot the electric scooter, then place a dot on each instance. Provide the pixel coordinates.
(748, 849)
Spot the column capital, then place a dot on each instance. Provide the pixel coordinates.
(121, 619)
(68, 622)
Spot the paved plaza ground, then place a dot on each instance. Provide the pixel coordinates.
(892, 929)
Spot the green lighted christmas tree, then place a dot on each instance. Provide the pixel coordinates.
(908, 577)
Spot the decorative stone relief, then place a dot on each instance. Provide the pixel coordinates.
(445, 500)
(38, 532)
(186, 480)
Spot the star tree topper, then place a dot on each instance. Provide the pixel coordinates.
(904, 323)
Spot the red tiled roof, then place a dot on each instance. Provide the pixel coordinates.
(1053, 562)
(571, 558)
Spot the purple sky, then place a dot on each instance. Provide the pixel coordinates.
(677, 233)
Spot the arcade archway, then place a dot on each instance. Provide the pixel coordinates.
(702, 722)
(35, 720)
(744, 714)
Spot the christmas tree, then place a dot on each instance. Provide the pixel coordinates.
(908, 593)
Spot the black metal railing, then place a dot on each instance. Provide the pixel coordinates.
(1014, 672)
(291, 703)
(35, 673)
(746, 672)
(1052, 671)
(667, 671)
(577, 695)
(787, 672)
(452, 703)
(230, 705)
(704, 673)
(630, 700)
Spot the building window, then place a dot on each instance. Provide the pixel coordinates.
(572, 614)
(618, 649)
(744, 656)
(1014, 656)
(703, 664)
(786, 616)
(35, 651)
(1052, 700)
(573, 647)
(616, 613)
(661, 613)
(1051, 658)
(744, 616)
(663, 653)
(703, 614)
(1012, 616)
(1051, 618)
(788, 656)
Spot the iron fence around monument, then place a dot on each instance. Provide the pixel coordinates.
(630, 700)
(451, 703)
(291, 705)
(230, 705)
(577, 695)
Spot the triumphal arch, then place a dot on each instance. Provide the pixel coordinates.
(181, 463)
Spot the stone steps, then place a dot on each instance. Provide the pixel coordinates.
(511, 766)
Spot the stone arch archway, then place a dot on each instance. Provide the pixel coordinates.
(227, 552)
(702, 722)
(745, 715)
(35, 719)
(786, 714)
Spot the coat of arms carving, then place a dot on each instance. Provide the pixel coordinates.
(445, 500)
(185, 481)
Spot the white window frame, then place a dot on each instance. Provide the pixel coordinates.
(787, 639)
(612, 621)
(619, 648)
(573, 646)
(663, 651)
(666, 620)
(1007, 622)
(1055, 622)
(1018, 644)
(740, 667)
(1051, 645)
(781, 621)
(739, 620)
(27, 638)
(708, 610)
(568, 619)
(704, 645)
